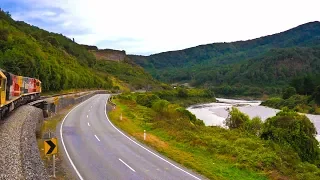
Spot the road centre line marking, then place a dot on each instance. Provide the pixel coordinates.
(87, 116)
(97, 137)
(88, 124)
(105, 112)
(127, 165)
(64, 146)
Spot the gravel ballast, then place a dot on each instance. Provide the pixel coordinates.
(20, 156)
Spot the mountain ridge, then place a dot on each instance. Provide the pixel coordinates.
(217, 64)
(238, 41)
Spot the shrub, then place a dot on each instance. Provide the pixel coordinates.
(209, 93)
(125, 96)
(273, 102)
(160, 105)
(295, 130)
(4, 34)
(147, 99)
(183, 93)
(254, 126)
(236, 119)
(190, 116)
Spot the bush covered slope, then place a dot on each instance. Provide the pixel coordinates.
(132, 75)
(57, 61)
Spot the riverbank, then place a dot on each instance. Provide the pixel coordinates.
(187, 97)
(299, 103)
(213, 114)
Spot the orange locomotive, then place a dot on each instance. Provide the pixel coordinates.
(16, 91)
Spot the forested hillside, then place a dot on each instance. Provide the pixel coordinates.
(58, 61)
(269, 62)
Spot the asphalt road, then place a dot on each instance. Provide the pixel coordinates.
(96, 149)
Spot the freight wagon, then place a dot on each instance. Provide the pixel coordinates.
(16, 91)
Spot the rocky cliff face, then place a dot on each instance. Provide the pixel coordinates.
(109, 54)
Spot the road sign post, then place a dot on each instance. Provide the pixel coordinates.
(54, 165)
(51, 148)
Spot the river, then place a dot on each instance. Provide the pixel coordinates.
(213, 114)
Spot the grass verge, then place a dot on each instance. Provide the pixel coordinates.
(214, 152)
(137, 118)
(50, 126)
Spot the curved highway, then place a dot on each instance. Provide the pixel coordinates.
(96, 149)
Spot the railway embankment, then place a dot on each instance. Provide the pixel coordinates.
(19, 157)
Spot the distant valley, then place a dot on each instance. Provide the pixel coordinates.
(250, 68)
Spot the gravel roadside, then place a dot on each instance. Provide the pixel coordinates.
(51, 125)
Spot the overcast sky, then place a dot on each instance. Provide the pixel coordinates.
(150, 26)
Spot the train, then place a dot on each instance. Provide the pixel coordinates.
(16, 90)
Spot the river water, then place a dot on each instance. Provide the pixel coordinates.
(213, 114)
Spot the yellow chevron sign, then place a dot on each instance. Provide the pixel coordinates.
(51, 146)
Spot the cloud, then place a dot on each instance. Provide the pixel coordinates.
(150, 26)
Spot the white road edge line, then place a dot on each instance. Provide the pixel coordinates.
(127, 165)
(97, 137)
(105, 111)
(64, 146)
(88, 124)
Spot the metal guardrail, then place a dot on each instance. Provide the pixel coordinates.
(56, 103)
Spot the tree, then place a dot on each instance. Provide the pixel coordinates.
(298, 84)
(308, 85)
(288, 92)
(295, 130)
(236, 119)
(53, 41)
(316, 95)
(254, 126)
(210, 93)
(8, 14)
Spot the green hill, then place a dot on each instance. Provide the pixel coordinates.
(59, 62)
(268, 62)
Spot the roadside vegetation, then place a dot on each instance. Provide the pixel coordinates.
(249, 149)
(186, 96)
